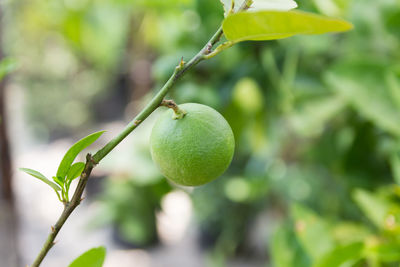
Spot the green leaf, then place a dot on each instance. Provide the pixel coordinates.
(41, 177)
(341, 255)
(58, 181)
(311, 117)
(286, 250)
(373, 207)
(73, 152)
(395, 164)
(7, 65)
(75, 170)
(270, 25)
(356, 81)
(91, 258)
(312, 232)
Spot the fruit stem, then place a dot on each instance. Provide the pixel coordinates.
(178, 112)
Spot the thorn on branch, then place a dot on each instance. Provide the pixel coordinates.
(137, 122)
(52, 229)
(181, 64)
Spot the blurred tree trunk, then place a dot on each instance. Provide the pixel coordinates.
(132, 78)
(8, 226)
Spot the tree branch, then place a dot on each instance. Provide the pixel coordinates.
(92, 161)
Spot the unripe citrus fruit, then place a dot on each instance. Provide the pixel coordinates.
(195, 149)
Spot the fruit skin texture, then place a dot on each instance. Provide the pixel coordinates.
(195, 149)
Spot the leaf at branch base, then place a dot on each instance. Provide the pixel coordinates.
(75, 171)
(91, 258)
(73, 152)
(41, 177)
(271, 25)
(59, 181)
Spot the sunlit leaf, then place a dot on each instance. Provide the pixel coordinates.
(73, 152)
(58, 180)
(41, 177)
(312, 232)
(75, 170)
(91, 258)
(270, 25)
(7, 65)
(357, 82)
(373, 207)
(286, 250)
(310, 119)
(341, 255)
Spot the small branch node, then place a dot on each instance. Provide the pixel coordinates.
(52, 229)
(180, 65)
(208, 48)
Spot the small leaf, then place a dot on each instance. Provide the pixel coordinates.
(91, 258)
(75, 170)
(41, 177)
(7, 65)
(58, 181)
(270, 25)
(71, 154)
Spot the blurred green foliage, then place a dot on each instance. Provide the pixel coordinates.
(316, 119)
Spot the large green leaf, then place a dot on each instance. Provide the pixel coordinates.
(286, 250)
(375, 208)
(312, 231)
(41, 177)
(270, 25)
(341, 255)
(91, 258)
(71, 154)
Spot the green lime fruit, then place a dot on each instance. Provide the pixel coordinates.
(194, 149)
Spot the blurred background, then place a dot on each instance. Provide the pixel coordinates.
(316, 173)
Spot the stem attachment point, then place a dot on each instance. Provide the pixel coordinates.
(178, 112)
